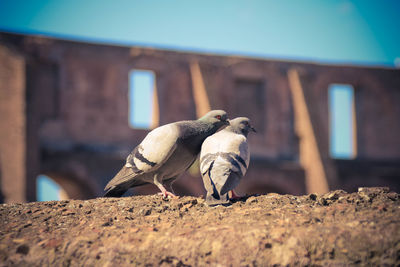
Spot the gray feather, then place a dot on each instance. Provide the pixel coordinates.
(224, 160)
(165, 152)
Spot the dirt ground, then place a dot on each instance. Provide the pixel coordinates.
(333, 229)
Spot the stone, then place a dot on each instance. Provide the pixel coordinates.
(282, 229)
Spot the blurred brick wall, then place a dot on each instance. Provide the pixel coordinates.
(76, 116)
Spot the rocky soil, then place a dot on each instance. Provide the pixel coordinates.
(336, 229)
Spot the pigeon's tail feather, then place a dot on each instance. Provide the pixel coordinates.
(114, 191)
(213, 200)
(120, 183)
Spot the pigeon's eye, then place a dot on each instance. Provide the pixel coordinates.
(218, 117)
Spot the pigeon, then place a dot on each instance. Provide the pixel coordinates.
(165, 153)
(224, 160)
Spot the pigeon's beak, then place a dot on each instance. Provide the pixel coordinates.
(227, 122)
(252, 128)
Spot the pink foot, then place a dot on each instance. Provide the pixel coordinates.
(234, 195)
(167, 194)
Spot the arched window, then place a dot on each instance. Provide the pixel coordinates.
(47, 189)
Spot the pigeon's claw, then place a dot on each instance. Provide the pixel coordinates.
(234, 195)
(165, 193)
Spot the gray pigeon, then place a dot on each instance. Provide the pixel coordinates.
(224, 160)
(165, 153)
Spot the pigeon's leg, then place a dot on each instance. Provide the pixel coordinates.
(168, 184)
(164, 191)
(234, 195)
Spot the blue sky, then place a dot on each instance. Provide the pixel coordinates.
(140, 95)
(341, 104)
(47, 189)
(342, 31)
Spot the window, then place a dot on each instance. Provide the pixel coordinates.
(342, 121)
(142, 99)
(47, 189)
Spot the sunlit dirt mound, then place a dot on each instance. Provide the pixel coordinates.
(336, 228)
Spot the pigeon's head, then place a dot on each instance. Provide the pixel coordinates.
(218, 118)
(241, 125)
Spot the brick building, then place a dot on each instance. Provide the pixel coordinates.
(64, 113)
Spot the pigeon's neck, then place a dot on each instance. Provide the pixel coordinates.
(237, 130)
(192, 134)
(207, 127)
(198, 128)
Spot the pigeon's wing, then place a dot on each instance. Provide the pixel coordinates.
(154, 150)
(148, 156)
(242, 154)
(209, 185)
(208, 155)
(223, 161)
(225, 173)
(231, 182)
(233, 147)
(122, 181)
(209, 150)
